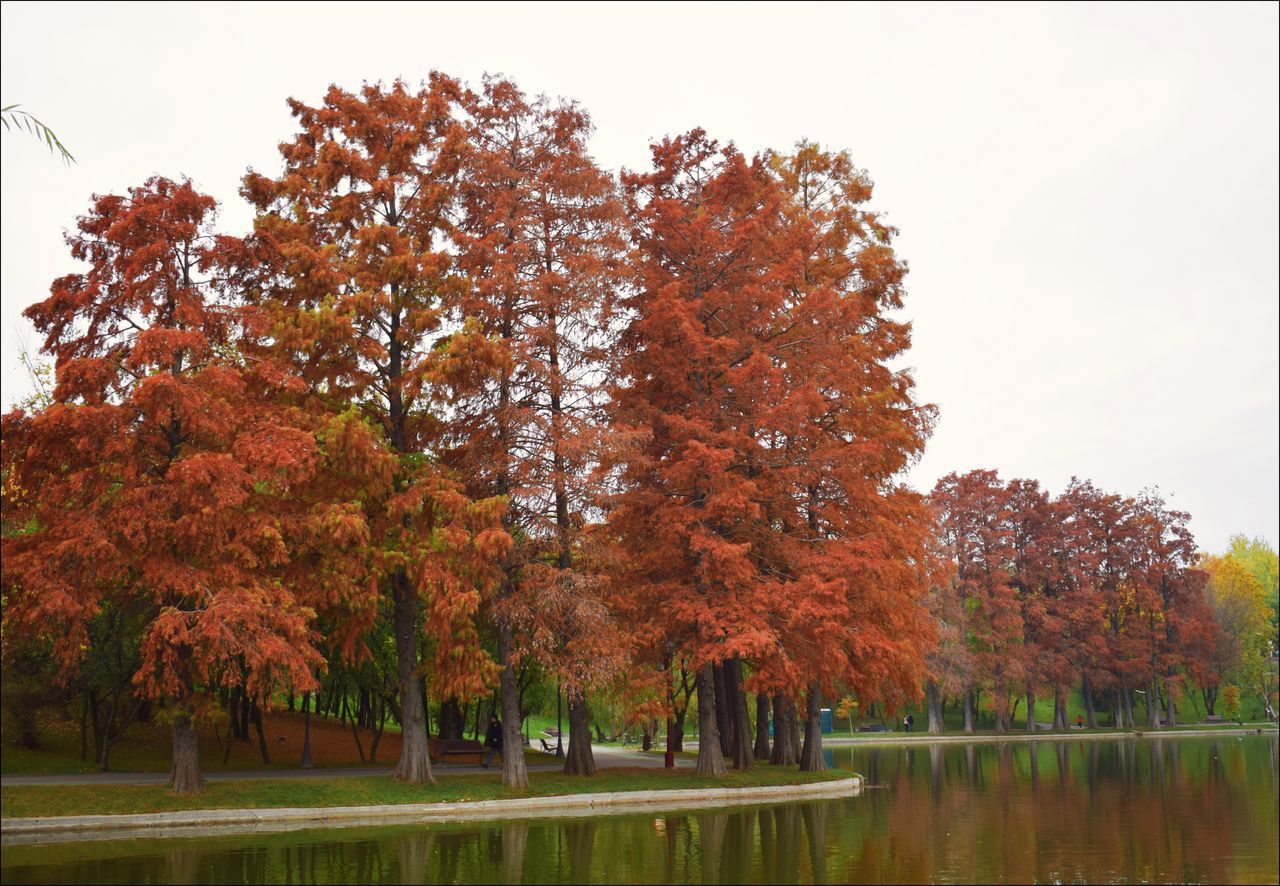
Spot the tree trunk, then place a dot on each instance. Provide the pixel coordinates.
(1153, 703)
(710, 760)
(724, 711)
(786, 752)
(677, 729)
(245, 710)
(414, 766)
(450, 725)
(255, 717)
(968, 709)
(1171, 704)
(741, 725)
(184, 773)
(579, 760)
(1031, 707)
(1210, 695)
(811, 757)
(762, 726)
(231, 730)
(936, 724)
(84, 728)
(1059, 709)
(514, 774)
(306, 731)
(380, 724)
(1086, 690)
(355, 729)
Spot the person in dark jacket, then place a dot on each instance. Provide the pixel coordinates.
(492, 741)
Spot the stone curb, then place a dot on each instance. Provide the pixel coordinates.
(345, 816)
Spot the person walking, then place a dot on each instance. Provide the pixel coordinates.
(909, 722)
(492, 741)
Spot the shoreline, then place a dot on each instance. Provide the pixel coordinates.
(962, 738)
(203, 822)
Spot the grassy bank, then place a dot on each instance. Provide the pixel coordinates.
(265, 793)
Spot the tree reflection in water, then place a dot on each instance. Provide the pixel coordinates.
(1137, 809)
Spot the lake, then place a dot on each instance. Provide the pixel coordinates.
(1094, 810)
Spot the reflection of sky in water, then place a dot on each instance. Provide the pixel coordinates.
(1201, 810)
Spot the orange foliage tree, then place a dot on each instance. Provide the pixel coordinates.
(350, 265)
(158, 471)
(537, 236)
(757, 507)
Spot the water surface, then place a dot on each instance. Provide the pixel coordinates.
(1114, 811)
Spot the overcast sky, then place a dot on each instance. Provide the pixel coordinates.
(1087, 195)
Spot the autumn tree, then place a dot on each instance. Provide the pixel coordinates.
(153, 477)
(537, 235)
(762, 522)
(975, 518)
(693, 380)
(351, 263)
(1259, 557)
(1241, 627)
(845, 426)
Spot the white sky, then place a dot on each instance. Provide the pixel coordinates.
(1087, 194)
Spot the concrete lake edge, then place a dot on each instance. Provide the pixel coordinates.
(206, 822)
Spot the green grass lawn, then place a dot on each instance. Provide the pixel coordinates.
(49, 800)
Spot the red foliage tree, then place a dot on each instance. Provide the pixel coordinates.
(707, 292)
(538, 237)
(351, 264)
(843, 428)
(157, 470)
(757, 505)
(975, 519)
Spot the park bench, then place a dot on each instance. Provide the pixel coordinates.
(455, 750)
(873, 727)
(1215, 718)
(547, 746)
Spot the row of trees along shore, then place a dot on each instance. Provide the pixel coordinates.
(468, 406)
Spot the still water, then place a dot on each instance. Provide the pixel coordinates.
(1137, 810)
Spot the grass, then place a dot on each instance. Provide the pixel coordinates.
(49, 800)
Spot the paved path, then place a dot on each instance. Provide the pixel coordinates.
(606, 757)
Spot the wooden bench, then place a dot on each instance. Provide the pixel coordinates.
(547, 746)
(455, 750)
(873, 727)
(1215, 718)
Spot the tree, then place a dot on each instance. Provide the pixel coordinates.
(350, 263)
(537, 234)
(975, 514)
(762, 432)
(844, 427)
(1242, 630)
(1259, 557)
(151, 480)
(706, 291)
